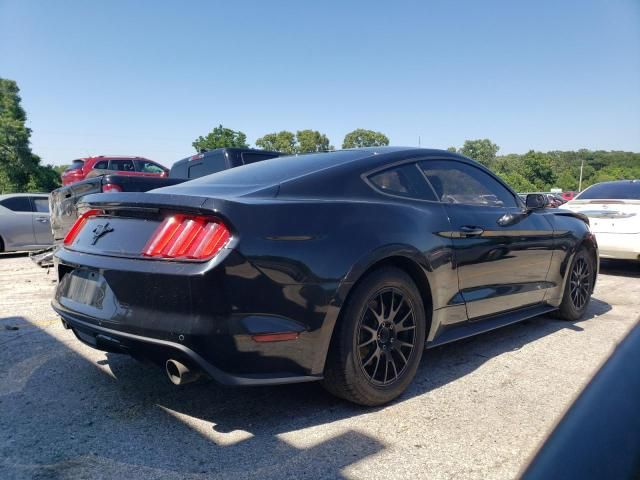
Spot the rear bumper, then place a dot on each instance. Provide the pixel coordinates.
(206, 315)
(624, 246)
(115, 341)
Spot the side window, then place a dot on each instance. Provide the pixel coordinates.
(17, 204)
(101, 165)
(149, 167)
(249, 157)
(457, 182)
(404, 181)
(179, 170)
(209, 164)
(122, 165)
(40, 204)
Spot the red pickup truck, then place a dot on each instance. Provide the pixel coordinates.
(94, 166)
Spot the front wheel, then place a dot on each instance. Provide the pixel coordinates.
(378, 342)
(578, 287)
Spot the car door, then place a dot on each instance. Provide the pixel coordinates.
(41, 221)
(17, 222)
(502, 253)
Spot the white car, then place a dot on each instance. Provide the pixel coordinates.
(24, 222)
(613, 209)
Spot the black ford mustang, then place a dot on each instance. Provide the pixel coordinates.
(338, 267)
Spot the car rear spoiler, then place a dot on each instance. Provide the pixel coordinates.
(569, 213)
(150, 202)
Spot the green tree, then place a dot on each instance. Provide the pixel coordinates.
(283, 141)
(43, 179)
(482, 150)
(516, 181)
(567, 182)
(452, 149)
(20, 169)
(364, 138)
(312, 141)
(538, 169)
(220, 137)
(304, 141)
(60, 168)
(562, 168)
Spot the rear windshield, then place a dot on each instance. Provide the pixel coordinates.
(209, 164)
(612, 190)
(279, 169)
(76, 165)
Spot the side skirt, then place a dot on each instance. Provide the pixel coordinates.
(469, 329)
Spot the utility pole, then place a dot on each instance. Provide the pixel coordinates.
(418, 140)
(580, 182)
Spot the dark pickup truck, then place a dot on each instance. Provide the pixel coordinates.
(63, 201)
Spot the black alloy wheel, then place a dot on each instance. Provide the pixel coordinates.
(387, 334)
(578, 286)
(580, 283)
(378, 341)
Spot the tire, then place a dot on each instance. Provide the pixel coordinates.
(378, 341)
(578, 287)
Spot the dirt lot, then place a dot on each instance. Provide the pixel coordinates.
(477, 409)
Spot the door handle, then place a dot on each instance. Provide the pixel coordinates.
(471, 231)
(42, 219)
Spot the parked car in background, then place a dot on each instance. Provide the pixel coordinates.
(613, 209)
(94, 166)
(566, 196)
(553, 200)
(64, 200)
(337, 267)
(24, 222)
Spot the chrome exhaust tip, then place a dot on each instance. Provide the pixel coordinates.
(179, 373)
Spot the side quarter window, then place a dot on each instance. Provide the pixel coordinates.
(458, 182)
(148, 167)
(403, 181)
(17, 204)
(41, 205)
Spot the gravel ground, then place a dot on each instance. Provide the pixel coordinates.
(477, 408)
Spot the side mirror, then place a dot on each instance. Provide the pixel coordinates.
(536, 201)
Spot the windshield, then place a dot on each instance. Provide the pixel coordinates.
(76, 165)
(627, 190)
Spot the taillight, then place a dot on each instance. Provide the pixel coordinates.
(188, 237)
(111, 187)
(75, 230)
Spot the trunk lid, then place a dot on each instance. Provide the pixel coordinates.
(609, 216)
(129, 220)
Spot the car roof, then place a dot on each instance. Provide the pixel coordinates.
(110, 157)
(611, 182)
(290, 167)
(11, 195)
(215, 151)
(324, 174)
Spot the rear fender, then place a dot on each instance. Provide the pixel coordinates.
(588, 241)
(360, 268)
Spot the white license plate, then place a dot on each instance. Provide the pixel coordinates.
(86, 287)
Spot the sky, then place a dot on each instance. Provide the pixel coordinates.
(148, 77)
